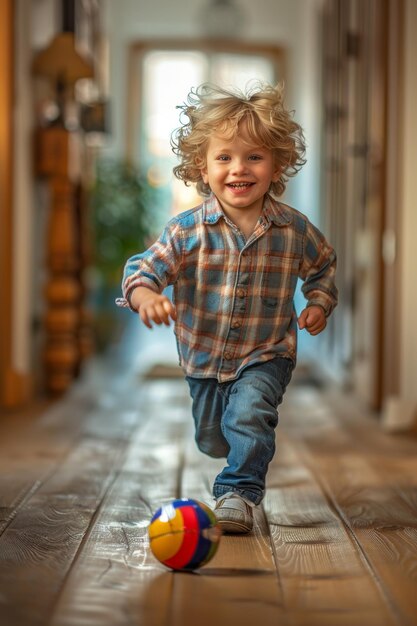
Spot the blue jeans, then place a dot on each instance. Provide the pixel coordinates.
(237, 420)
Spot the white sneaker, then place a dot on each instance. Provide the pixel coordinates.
(233, 513)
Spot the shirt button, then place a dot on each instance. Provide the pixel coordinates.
(228, 355)
(237, 324)
(241, 293)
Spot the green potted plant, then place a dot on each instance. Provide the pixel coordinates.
(121, 208)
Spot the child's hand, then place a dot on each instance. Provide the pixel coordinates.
(156, 308)
(312, 319)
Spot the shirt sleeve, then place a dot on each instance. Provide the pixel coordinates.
(155, 268)
(318, 270)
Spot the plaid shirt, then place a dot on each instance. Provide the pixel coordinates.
(234, 297)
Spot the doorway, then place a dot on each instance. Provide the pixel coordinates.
(161, 74)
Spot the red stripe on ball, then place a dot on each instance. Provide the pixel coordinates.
(190, 539)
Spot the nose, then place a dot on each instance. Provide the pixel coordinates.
(239, 167)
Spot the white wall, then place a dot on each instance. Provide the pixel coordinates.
(24, 212)
(35, 25)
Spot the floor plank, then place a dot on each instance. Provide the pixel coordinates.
(324, 578)
(241, 577)
(39, 545)
(32, 446)
(45, 530)
(374, 494)
(116, 580)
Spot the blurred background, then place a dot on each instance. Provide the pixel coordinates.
(88, 97)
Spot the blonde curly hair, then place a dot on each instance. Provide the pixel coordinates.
(212, 109)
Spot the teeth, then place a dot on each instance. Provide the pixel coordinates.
(239, 185)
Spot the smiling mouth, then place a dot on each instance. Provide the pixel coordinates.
(240, 185)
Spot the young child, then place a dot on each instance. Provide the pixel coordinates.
(234, 262)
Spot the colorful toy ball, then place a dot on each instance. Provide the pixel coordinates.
(184, 534)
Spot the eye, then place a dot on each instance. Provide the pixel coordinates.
(223, 157)
(255, 157)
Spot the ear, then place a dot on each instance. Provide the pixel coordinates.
(204, 175)
(276, 174)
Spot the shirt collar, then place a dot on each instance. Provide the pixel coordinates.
(212, 210)
(273, 211)
(276, 212)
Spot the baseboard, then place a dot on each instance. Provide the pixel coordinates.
(399, 415)
(17, 389)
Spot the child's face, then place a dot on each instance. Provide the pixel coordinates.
(239, 172)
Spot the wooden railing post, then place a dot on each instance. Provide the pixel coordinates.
(58, 161)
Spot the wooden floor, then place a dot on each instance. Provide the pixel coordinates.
(335, 542)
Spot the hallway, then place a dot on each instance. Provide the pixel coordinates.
(335, 542)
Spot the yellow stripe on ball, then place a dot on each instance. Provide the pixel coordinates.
(166, 535)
